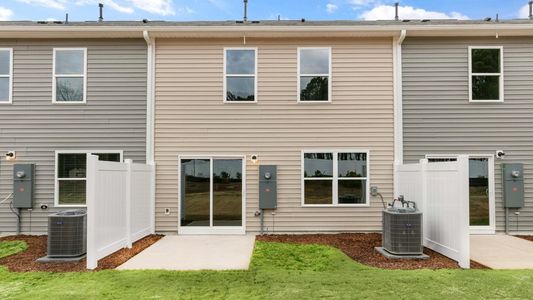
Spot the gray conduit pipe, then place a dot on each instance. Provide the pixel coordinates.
(506, 220)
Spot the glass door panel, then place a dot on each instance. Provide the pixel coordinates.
(479, 192)
(227, 192)
(195, 192)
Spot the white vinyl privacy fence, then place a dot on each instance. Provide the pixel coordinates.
(120, 206)
(440, 190)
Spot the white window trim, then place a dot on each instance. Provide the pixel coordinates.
(470, 74)
(184, 230)
(10, 76)
(240, 75)
(330, 77)
(56, 179)
(335, 177)
(84, 75)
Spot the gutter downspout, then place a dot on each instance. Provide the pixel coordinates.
(398, 109)
(150, 113)
(149, 98)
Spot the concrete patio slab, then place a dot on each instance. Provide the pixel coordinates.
(501, 251)
(198, 252)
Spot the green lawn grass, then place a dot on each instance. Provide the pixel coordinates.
(11, 247)
(278, 271)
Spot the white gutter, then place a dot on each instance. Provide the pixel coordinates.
(175, 31)
(398, 107)
(347, 28)
(271, 28)
(309, 26)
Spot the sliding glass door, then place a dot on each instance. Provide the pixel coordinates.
(211, 195)
(195, 192)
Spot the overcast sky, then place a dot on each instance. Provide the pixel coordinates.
(185, 10)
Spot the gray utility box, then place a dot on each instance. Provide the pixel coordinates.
(23, 175)
(268, 194)
(513, 185)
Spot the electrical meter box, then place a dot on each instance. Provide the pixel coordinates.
(23, 175)
(268, 195)
(513, 185)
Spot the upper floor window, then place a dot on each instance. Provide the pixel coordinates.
(240, 75)
(486, 74)
(314, 74)
(6, 69)
(70, 75)
(335, 178)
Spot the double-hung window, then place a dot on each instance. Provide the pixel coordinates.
(335, 178)
(71, 175)
(6, 70)
(314, 74)
(486, 74)
(70, 75)
(240, 75)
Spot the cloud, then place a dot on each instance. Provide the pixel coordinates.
(361, 2)
(5, 13)
(331, 8)
(358, 5)
(186, 10)
(110, 3)
(158, 7)
(56, 4)
(117, 7)
(387, 12)
(523, 13)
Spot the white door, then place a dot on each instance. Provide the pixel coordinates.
(481, 190)
(211, 195)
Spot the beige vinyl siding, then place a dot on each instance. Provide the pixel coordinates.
(191, 118)
(114, 117)
(439, 119)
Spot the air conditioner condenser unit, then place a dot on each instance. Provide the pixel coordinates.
(67, 234)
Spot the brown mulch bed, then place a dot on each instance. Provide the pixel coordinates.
(360, 247)
(526, 237)
(25, 261)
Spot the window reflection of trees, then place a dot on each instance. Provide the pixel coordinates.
(67, 92)
(316, 89)
(318, 156)
(233, 97)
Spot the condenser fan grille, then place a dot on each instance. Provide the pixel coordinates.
(67, 234)
(402, 231)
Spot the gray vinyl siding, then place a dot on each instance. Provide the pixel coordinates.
(114, 117)
(439, 119)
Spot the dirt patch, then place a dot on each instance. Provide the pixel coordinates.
(26, 261)
(525, 237)
(360, 247)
